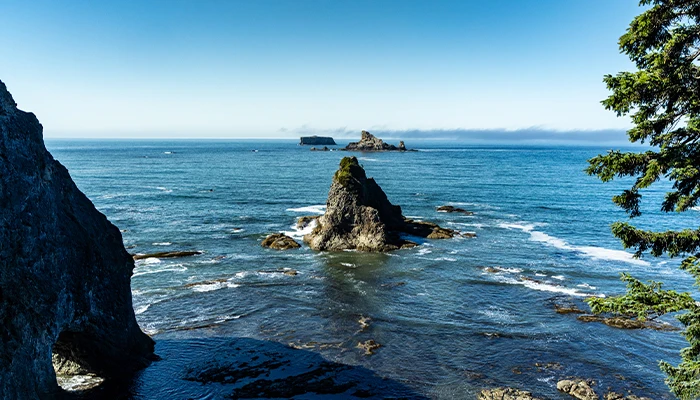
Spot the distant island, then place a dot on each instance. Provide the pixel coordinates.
(316, 140)
(369, 142)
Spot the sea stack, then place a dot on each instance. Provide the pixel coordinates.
(64, 272)
(360, 216)
(369, 142)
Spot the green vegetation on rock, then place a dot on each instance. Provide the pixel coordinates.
(350, 173)
(663, 100)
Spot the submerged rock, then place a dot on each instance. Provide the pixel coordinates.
(64, 276)
(369, 142)
(360, 216)
(452, 209)
(280, 241)
(627, 323)
(369, 346)
(577, 388)
(505, 394)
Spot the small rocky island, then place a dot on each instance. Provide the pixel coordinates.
(359, 216)
(369, 142)
(316, 141)
(64, 276)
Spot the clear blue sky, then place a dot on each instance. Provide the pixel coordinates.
(277, 68)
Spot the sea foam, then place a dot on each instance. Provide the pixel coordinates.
(598, 253)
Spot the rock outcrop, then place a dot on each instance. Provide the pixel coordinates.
(369, 142)
(316, 141)
(505, 394)
(280, 241)
(577, 388)
(360, 216)
(64, 272)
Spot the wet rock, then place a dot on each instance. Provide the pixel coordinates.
(166, 254)
(65, 276)
(369, 142)
(627, 323)
(577, 388)
(369, 346)
(452, 209)
(325, 148)
(280, 241)
(505, 394)
(306, 220)
(617, 396)
(567, 309)
(360, 216)
(207, 282)
(364, 322)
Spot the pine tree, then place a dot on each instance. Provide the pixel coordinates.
(663, 100)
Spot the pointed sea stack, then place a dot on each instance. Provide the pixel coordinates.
(360, 216)
(64, 272)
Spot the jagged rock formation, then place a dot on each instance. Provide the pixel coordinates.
(280, 241)
(505, 394)
(316, 141)
(360, 216)
(369, 142)
(577, 388)
(64, 272)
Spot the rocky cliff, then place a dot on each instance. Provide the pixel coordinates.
(360, 216)
(64, 272)
(369, 142)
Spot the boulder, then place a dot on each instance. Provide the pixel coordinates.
(306, 220)
(65, 276)
(505, 394)
(369, 346)
(360, 216)
(280, 241)
(369, 142)
(577, 388)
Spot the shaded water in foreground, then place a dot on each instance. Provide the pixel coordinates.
(448, 326)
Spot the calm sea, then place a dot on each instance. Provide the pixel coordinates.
(448, 326)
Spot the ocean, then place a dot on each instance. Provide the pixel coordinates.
(453, 316)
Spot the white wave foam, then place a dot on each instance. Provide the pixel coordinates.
(146, 271)
(507, 270)
(351, 265)
(466, 224)
(319, 209)
(141, 310)
(541, 286)
(424, 251)
(208, 287)
(370, 159)
(598, 253)
(587, 286)
(297, 233)
(558, 277)
(164, 189)
(150, 261)
(167, 152)
(162, 244)
(446, 259)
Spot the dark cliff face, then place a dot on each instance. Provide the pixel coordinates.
(64, 273)
(360, 216)
(316, 140)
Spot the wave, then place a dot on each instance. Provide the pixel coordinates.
(541, 286)
(297, 233)
(319, 209)
(143, 270)
(208, 287)
(597, 253)
(162, 244)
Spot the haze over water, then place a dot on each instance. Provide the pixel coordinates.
(453, 316)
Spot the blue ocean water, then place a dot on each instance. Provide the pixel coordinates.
(448, 323)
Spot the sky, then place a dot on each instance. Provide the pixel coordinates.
(261, 68)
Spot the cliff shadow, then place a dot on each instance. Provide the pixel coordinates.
(232, 368)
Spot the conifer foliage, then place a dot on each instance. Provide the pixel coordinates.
(663, 100)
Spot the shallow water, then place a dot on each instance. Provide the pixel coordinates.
(448, 326)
